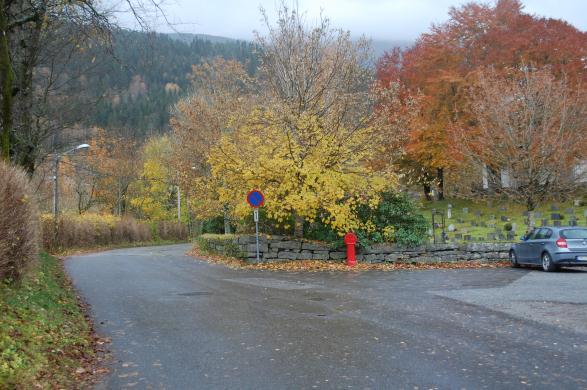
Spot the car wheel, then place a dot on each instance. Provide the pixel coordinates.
(547, 264)
(514, 259)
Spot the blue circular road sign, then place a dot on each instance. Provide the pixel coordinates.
(255, 198)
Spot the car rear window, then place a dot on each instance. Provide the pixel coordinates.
(574, 233)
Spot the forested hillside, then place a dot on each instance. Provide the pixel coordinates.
(144, 76)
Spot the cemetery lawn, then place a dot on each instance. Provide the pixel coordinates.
(485, 221)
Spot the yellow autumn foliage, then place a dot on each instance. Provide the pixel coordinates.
(303, 168)
(155, 191)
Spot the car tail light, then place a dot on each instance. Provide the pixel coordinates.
(562, 243)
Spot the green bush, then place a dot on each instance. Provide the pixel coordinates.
(229, 242)
(19, 223)
(508, 227)
(396, 219)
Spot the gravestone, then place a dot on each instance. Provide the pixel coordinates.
(526, 214)
(451, 228)
(514, 227)
(585, 213)
(577, 203)
(555, 216)
(458, 236)
(573, 222)
(491, 236)
(553, 207)
(501, 237)
(491, 225)
(449, 212)
(511, 236)
(498, 230)
(503, 209)
(504, 218)
(465, 210)
(557, 223)
(537, 215)
(570, 211)
(467, 238)
(477, 213)
(545, 222)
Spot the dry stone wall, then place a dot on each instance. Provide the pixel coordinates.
(278, 248)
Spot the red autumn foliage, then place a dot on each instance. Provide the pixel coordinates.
(441, 63)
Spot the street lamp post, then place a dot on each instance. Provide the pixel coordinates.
(57, 158)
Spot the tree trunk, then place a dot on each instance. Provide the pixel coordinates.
(427, 191)
(440, 178)
(227, 229)
(28, 139)
(298, 226)
(6, 79)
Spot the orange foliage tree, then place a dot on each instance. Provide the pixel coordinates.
(536, 126)
(440, 65)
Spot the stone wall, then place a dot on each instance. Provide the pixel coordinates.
(277, 248)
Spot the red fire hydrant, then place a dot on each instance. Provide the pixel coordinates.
(350, 239)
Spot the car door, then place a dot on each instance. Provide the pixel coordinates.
(523, 248)
(539, 242)
(530, 252)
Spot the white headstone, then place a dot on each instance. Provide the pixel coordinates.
(451, 228)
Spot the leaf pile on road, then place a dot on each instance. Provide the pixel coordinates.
(321, 265)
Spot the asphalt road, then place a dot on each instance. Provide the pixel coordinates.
(179, 323)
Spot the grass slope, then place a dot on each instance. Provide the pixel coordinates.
(45, 340)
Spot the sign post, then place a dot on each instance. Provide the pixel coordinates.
(256, 199)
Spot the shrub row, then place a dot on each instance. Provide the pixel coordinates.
(226, 244)
(92, 231)
(19, 226)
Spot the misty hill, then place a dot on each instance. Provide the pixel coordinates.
(381, 46)
(146, 74)
(135, 87)
(188, 38)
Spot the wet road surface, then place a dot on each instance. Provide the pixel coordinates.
(179, 323)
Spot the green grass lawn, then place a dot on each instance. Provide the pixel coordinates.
(513, 212)
(45, 340)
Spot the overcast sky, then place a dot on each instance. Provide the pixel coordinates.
(377, 19)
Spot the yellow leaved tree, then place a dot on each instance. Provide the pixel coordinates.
(155, 191)
(221, 93)
(307, 134)
(319, 174)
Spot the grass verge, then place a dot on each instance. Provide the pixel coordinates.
(46, 341)
(321, 265)
(101, 248)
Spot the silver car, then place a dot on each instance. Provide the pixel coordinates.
(551, 247)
